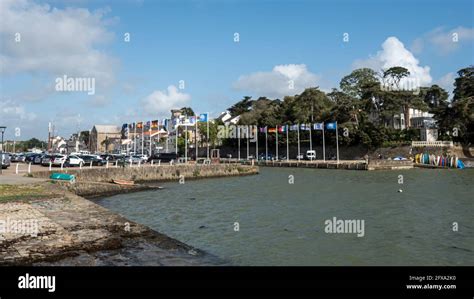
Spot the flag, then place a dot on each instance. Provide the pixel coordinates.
(318, 126)
(272, 130)
(154, 125)
(262, 129)
(139, 125)
(331, 126)
(176, 122)
(124, 131)
(282, 129)
(294, 128)
(190, 120)
(147, 126)
(305, 127)
(203, 117)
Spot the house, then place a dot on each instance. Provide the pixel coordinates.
(103, 138)
(234, 120)
(224, 117)
(58, 145)
(74, 144)
(415, 119)
(427, 126)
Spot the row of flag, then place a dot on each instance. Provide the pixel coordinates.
(190, 120)
(154, 125)
(149, 125)
(302, 127)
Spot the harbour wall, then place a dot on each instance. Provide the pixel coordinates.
(153, 173)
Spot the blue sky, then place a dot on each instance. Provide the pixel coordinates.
(194, 41)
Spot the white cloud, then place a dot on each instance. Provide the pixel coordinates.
(160, 102)
(394, 53)
(277, 82)
(54, 41)
(447, 82)
(444, 41)
(10, 111)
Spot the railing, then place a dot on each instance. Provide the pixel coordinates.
(18, 170)
(432, 144)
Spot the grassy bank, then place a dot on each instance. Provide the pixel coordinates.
(27, 192)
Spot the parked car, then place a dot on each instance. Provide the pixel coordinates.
(5, 160)
(132, 159)
(73, 160)
(37, 158)
(112, 158)
(269, 157)
(46, 159)
(96, 160)
(311, 155)
(144, 158)
(19, 157)
(30, 157)
(59, 160)
(106, 157)
(163, 157)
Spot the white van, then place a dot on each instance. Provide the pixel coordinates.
(311, 155)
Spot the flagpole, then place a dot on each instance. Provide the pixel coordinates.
(310, 138)
(143, 137)
(276, 141)
(324, 146)
(195, 138)
(266, 143)
(238, 142)
(248, 148)
(167, 135)
(176, 138)
(337, 145)
(299, 142)
(256, 145)
(287, 146)
(207, 121)
(151, 123)
(186, 140)
(135, 139)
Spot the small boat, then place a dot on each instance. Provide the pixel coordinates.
(63, 177)
(123, 182)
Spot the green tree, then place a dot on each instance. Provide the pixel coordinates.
(84, 137)
(311, 105)
(394, 75)
(213, 129)
(241, 107)
(464, 84)
(355, 83)
(188, 111)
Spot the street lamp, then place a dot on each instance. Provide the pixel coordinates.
(2, 130)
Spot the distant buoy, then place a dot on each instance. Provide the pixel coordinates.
(400, 190)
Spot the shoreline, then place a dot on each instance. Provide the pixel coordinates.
(76, 231)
